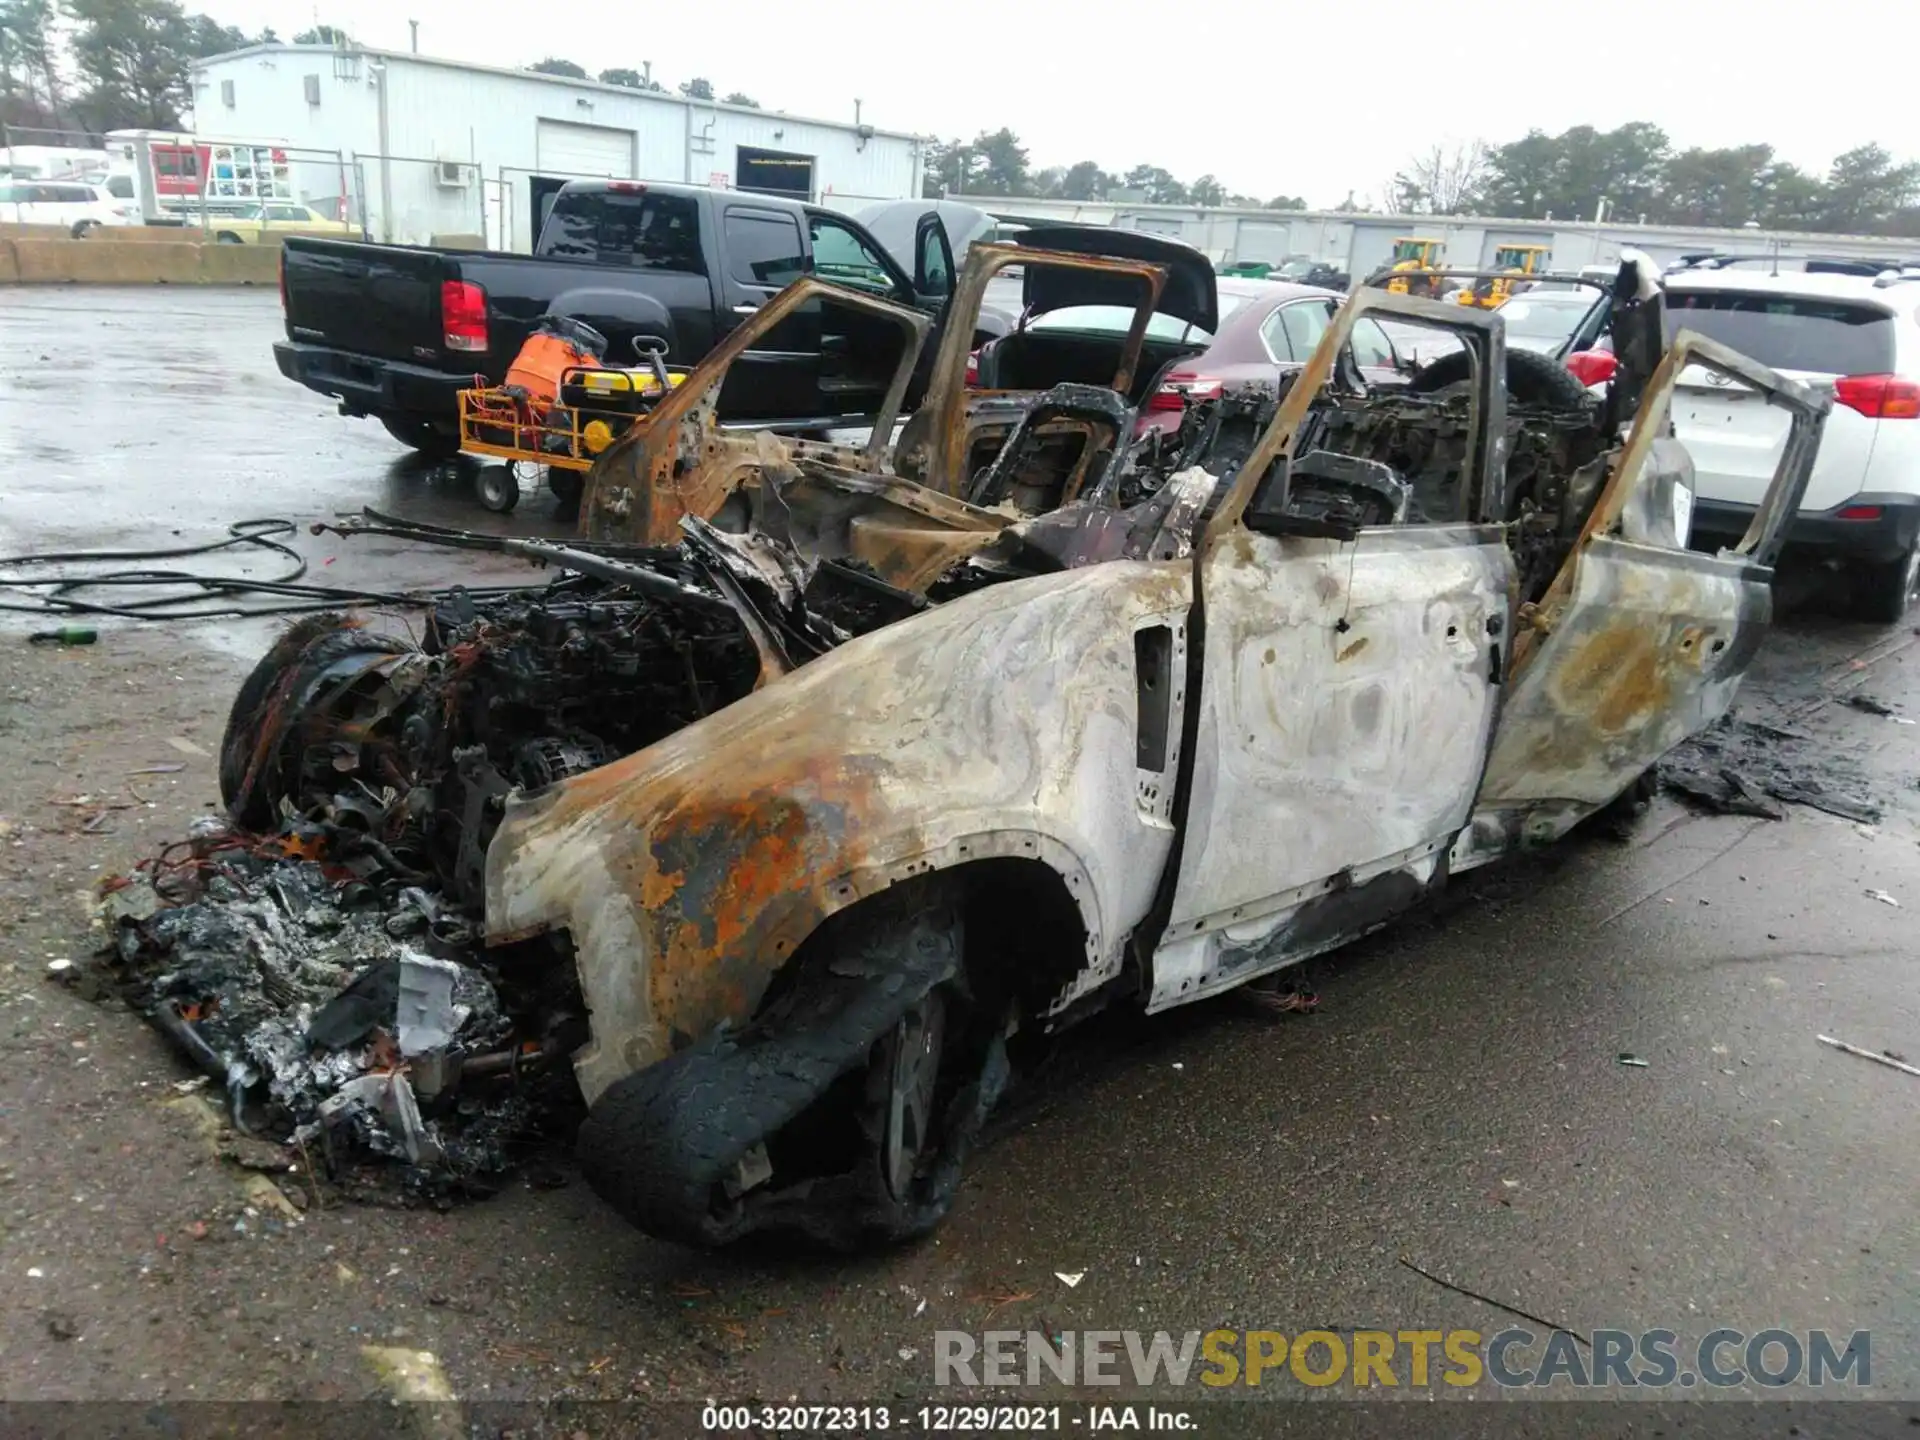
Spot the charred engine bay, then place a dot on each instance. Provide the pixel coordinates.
(320, 957)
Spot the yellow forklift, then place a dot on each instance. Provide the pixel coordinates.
(1517, 263)
(1416, 263)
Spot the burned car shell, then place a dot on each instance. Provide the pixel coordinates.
(678, 461)
(1228, 760)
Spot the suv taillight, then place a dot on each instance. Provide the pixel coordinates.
(1879, 397)
(1181, 388)
(283, 280)
(463, 315)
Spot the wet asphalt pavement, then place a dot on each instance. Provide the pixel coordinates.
(1456, 1101)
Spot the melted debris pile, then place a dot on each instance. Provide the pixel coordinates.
(362, 1028)
(319, 953)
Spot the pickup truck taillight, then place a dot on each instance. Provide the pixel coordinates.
(1879, 397)
(463, 315)
(283, 280)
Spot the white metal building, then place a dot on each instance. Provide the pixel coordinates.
(1362, 243)
(438, 146)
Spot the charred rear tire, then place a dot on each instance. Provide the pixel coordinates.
(1532, 379)
(869, 1052)
(1887, 591)
(428, 439)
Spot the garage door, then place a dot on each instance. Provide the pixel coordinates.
(585, 150)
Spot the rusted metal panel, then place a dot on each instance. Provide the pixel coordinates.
(1003, 723)
(677, 460)
(1649, 649)
(1634, 647)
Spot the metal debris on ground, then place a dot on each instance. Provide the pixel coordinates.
(1868, 704)
(1883, 897)
(1892, 1062)
(1740, 767)
(1630, 1060)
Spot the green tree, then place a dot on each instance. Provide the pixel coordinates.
(552, 66)
(1156, 186)
(322, 35)
(943, 169)
(208, 36)
(1046, 184)
(1791, 199)
(132, 59)
(1713, 187)
(1085, 180)
(1569, 174)
(740, 98)
(630, 80)
(1207, 191)
(29, 76)
(1294, 202)
(1865, 189)
(697, 89)
(1002, 162)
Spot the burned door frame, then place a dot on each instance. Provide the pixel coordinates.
(1366, 787)
(1636, 644)
(952, 416)
(677, 460)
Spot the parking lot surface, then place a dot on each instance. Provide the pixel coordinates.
(1458, 1099)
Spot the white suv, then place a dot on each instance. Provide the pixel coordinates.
(1855, 337)
(73, 203)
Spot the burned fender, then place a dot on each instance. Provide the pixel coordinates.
(1009, 722)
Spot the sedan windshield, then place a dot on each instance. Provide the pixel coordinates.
(1545, 317)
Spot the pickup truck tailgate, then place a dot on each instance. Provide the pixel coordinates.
(374, 300)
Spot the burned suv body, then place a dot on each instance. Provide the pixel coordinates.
(923, 769)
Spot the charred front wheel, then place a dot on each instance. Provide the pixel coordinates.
(842, 1113)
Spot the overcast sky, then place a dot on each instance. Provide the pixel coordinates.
(1311, 100)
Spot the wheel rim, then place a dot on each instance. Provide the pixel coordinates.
(496, 483)
(917, 1046)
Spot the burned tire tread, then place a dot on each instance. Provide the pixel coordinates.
(657, 1143)
(1532, 379)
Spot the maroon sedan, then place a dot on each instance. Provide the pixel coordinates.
(1266, 326)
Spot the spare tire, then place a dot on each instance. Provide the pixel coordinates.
(1532, 379)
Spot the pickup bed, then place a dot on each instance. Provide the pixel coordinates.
(396, 331)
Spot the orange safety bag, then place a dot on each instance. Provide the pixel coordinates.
(556, 347)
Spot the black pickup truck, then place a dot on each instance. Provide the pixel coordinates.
(396, 331)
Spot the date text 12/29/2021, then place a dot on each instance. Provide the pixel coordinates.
(943, 1419)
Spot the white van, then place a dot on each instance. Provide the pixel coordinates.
(78, 206)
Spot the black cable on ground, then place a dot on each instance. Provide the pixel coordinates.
(202, 593)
